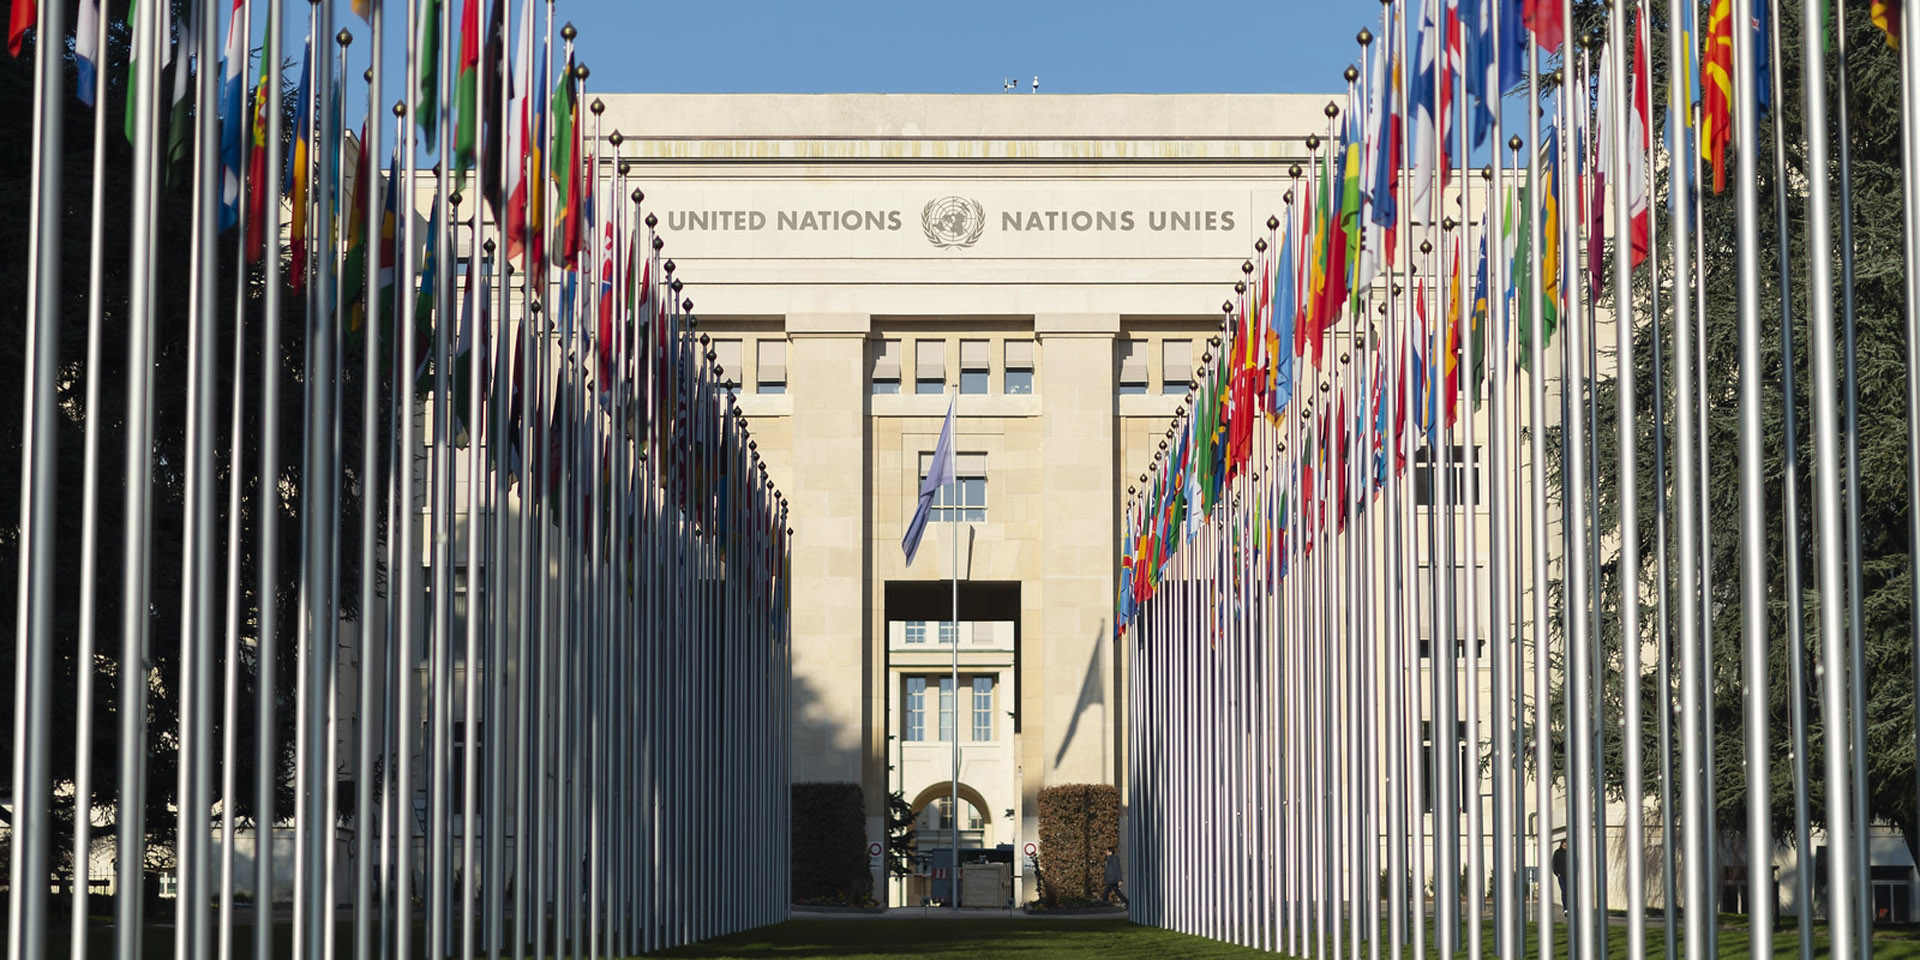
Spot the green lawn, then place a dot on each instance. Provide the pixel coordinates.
(873, 938)
(936, 939)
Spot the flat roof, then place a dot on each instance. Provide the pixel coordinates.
(1008, 116)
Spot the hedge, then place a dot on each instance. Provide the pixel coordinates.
(1078, 822)
(830, 844)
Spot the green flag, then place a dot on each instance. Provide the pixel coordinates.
(426, 113)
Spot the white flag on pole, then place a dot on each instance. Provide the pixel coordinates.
(938, 474)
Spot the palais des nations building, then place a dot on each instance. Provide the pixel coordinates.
(1056, 261)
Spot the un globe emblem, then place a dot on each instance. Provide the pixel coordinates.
(952, 223)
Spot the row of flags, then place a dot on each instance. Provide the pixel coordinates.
(1329, 259)
(549, 475)
(1368, 703)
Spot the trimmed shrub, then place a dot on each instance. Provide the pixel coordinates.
(1078, 822)
(830, 844)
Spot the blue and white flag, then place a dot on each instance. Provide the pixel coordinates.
(939, 474)
(86, 49)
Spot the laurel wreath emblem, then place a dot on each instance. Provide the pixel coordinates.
(953, 222)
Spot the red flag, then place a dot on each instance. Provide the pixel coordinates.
(1543, 18)
(1639, 141)
(25, 13)
(1716, 114)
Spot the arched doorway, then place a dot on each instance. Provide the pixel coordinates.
(933, 824)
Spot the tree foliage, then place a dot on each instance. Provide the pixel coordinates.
(237, 320)
(1872, 103)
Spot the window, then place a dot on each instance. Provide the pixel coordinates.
(886, 366)
(946, 709)
(727, 355)
(1459, 647)
(929, 366)
(1455, 464)
(966, 496)
(770, 373)
(916, 631)
(1133, 366)
(982, 709)
(916, 710)
(1176, 365)
(1019, 364)
(948, 631)
(973, 366)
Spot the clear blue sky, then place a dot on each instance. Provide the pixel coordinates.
(957, 46)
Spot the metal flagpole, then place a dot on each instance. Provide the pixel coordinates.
(1753, 547)
(1628, 426)
(229, 727)
(372, 239)
(1790, 508)
(1856, 698)
(1841, 870)
(953, 620)
(1910, 187)
(85, 655)
(1537, 501)
(32, 783)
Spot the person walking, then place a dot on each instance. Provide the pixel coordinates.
(1560, 874)
(1113, 880)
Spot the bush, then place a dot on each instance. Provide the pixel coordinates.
(1078, 822)
(830, 844)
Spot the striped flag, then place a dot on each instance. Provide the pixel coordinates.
(86, 49)
(232, 113)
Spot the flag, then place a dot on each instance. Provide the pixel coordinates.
(364, 9)
(233, 108)
(1549, 254)
(466, 90)
(522, 152)
(25, 14)
(86, 47)
(297, 174)
(1477, 57)
(1280, 346)
(262, 101)
(1639, 141)
(500, 90)
(1716, 117)
(1511, 48)
(426, 113)
(1425, 406)
(1450, 351)
(1543, 18)
(1886, 16)
(939, 473)
(1429, 148)
(163, 41)
(565, 152)
(180, 121)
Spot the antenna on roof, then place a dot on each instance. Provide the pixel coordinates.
(1007, 84)
(1036, 83)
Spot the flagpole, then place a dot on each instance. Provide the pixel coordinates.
(371, 239)
(1790, 504)
(953, 515)
(1841, 870)
(89, 526)
(1863, 894)
(32, 783)
(1910, 182)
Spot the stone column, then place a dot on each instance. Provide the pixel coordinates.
(827, 379)
(1073, 652)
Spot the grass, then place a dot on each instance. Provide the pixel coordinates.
(1117, 939)
(875, 938)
